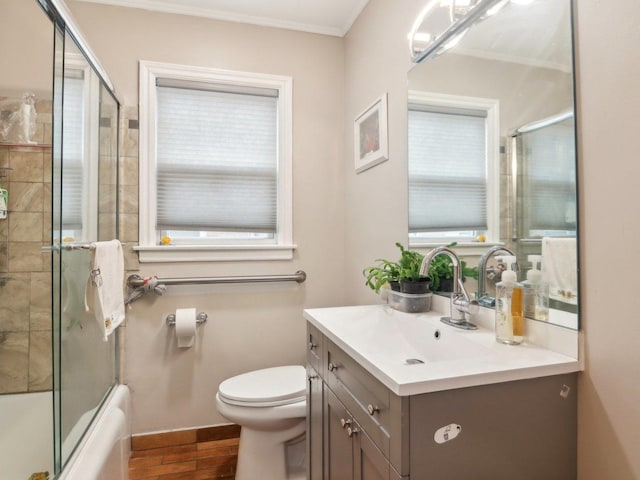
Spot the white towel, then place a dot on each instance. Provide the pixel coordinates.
(559, 268)
(104, 293)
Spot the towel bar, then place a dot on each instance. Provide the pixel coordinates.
(135, 281)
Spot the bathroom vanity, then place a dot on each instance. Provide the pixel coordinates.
(402, 396)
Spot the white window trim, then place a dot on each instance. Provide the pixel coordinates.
(492, 108)
(148, 250)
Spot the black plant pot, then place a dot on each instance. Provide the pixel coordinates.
(395, 285)
(415, 286)
(446, 285)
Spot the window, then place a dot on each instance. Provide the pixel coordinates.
(453, 167)
(216, 162)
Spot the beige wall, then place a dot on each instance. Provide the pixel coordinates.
(167, 384)
(250, 326)
(608, 105)
(609, 393)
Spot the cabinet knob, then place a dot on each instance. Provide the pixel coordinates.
(351, 431)
(312, 345)
(344, 422)
(372, 410)
(332, 367)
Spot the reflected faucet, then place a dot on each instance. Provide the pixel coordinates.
(460, 304)
(481, 295)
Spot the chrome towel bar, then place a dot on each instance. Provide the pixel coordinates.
(135, 281)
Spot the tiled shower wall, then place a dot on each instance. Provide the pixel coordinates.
(25, 271)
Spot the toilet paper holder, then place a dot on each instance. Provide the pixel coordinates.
(201, 318)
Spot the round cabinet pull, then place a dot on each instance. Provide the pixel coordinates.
(332, 367)
(351, 431)
(372, 410)
(312, 345)
(344, 422)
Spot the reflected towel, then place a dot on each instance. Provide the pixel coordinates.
(104, 293)
(559, 268)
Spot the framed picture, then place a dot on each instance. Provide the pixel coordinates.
(370, 136)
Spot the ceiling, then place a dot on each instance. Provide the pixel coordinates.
(328, 17)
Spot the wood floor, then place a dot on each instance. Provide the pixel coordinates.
(201, 454)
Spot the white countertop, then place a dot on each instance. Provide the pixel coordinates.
(382, 339)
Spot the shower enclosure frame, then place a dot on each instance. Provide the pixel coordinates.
(68, 435)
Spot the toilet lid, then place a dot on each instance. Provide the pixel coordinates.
(266, 388)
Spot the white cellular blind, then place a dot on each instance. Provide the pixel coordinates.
(72, 153)
(217, 158)
(549, 177)
(447, 171)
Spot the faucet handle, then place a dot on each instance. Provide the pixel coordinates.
(470, 307)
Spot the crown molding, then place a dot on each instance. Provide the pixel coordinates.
(181, 9)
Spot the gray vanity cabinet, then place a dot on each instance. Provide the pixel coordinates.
(358, 429)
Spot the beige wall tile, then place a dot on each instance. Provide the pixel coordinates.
(14, 362)
(129, 227)
(25, 226)
(129, 199)
(4, 257)
(25, 197)
(47, 199)
(26, 166)
(4, 157)
(40, 301)
(40, 371)
(46, 227)
(14, 303)
(129, 171)
(26, 256)
(129, 143)
(107, 198)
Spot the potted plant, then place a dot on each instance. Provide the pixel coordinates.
(411, 281)
(386, 272)
(441, 272)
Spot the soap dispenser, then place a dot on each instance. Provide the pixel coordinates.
(509, 304)
(536, 292)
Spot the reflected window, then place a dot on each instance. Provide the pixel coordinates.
(546, 157)
(449, 164)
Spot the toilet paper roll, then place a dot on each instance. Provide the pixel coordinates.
(186, 327)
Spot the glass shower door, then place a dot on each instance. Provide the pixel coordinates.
(85, 211)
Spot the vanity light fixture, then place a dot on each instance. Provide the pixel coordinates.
(418, 41)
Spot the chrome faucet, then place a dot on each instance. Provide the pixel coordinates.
(483, 273)
(460, 304)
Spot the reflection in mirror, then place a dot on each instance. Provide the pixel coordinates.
(492, 143)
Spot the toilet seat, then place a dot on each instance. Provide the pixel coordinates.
(269, 387)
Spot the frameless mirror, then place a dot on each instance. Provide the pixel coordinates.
(491, 144)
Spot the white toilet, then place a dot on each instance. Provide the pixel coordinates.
(270, 406)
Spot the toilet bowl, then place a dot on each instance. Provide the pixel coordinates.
(270, 407)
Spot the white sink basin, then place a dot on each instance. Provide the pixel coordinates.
(388, 343)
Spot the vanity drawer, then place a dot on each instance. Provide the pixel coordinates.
(367, 399)
(315, 341)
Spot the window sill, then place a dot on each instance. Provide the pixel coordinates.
(213, 253)
(463, 248)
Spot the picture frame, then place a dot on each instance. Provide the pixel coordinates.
(371, 145)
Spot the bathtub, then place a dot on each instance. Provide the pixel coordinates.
(104, 451)
(26, 441)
